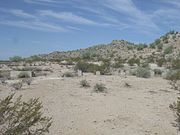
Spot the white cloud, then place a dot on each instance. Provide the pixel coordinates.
(35, 25)
(173, 2)
(136, 16)
(35, 1)
(67, 16)
(18, 12)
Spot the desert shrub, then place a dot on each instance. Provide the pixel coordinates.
(3, 81)
(4, 74)
(176, 64)
(68, 74)
(175, 107)
(118, 65)
(133, 72)
(23, 75)
(17, 85)
(145, 64)
(143, 72)
(157, 72)
(86, 56)
(22, 118)
(129, 47)
(83, 66)
(141, 46)
(28, 81)
(173, 75)
(34, 58)
(99, 87)
(168, 50)
(127, 85)
(84, 83)
(152, 45)
(157, 42)
(160, 46)
(36, 74)
(161, 61)
(165, 38)
(133, 61)
(175, 84)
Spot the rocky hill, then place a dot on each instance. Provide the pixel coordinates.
(166, 47)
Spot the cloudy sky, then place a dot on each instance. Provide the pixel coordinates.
(30, 27)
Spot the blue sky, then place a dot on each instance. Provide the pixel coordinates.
(29, 27)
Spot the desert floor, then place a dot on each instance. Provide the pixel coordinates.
(142, 109)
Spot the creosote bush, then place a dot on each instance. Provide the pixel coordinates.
(68, 74)
(143, 72)
(176, 108)
(84, 83)
(22, 118)
(133, 61)
(173, 75)
(17, 85)
(99, 87)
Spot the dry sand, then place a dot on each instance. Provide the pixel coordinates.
(142, 109)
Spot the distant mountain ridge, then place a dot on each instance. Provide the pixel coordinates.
(167, 46)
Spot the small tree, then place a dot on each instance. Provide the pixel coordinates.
(16, 58)
(22, 118)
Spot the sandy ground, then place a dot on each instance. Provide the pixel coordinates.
(142, 109)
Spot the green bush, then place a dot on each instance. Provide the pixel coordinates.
(118, 65)
(99, 88)
(84, 83)
(143, 72)
(176, 64)
(89, 67)
(173, 75)
(23, 75)
(160, 46)
(141, 46)
(152, 45)
(145, 65)
(161, 61)
(133, 61)
(22, 118)
(16, 59)
(168, 50)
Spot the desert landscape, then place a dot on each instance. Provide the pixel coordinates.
(89, 67)
(127, 104)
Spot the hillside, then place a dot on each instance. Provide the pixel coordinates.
(167, 46)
